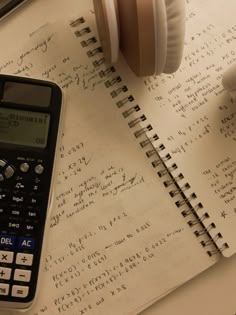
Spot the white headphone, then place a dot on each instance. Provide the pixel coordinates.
(153, 29)
(149, 33)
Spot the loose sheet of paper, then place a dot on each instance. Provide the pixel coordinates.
(195, 118)
(117, 241)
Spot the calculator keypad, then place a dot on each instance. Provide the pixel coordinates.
(21, 213)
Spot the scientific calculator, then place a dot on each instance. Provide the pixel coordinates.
(30, 123)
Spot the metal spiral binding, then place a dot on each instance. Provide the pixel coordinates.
(93, 52)
(159, 162)
(185, 213)
(118, 91)
(173, 180)
(185, 200)
(110, 83)
(82, 32)
(199, 219)
(124, 100)
(130, 111)
(167, 170)
(154, 151)
(178, 190)
(86, 43)
(205, 230)
(77, 22)
(106, 72)
(136, 121)
(142, 131)
(218, 250)
(148, 141)
(98, 63)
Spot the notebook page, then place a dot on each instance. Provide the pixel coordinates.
(215, 289)
(195, 118)
(116, 239)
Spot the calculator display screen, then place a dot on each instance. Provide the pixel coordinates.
(27, 94)
(25, 128)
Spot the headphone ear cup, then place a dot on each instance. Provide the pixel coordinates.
(137, 35)
(106, 13)
(229, 80)
(152, 34)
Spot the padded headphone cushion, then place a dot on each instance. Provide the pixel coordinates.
(175, 12)
(108, 29)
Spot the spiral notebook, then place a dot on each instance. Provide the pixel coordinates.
(145, 194)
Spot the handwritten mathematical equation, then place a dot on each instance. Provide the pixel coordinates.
(221, 181)
(105, 281)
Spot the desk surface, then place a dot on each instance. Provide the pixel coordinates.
(213, 292)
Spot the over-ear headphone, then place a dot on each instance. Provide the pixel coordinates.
(149, 33)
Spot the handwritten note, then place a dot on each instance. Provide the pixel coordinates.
(222, 181)
(115, 232)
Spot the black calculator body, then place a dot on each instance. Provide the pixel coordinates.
(9, 6)
(30, 122)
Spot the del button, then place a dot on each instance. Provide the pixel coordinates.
(7, 241)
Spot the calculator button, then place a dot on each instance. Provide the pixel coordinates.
(6, 257)
(29, 228)
(31, 214)
(19, 178)
(26, 243)
(16, 212)
(24, 167)
(1, 178)
(34, 201)
(5, 273)
(9, 171)
(7, 241)
(22, 275)
(4, 289)
(19, 186)
(3, 196)
(2, 163)
(20, 291)
(37, 180)
(36, 188)
(24, 259)
(14, 225)
(39, 169)
(18, 199)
